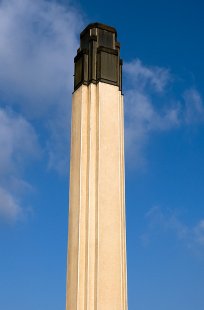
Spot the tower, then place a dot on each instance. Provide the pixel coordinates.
(96, 276)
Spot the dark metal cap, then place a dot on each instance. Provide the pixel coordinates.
(98, 58)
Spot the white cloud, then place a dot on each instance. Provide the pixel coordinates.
(142, 76)
(166, 220)
(38, 41)
(10, 210)
(18, 146)
(194, 109)
(18, 142)
(150, 108)
(143, 117)
(161, 222)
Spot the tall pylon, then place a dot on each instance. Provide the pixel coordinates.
(96, 273)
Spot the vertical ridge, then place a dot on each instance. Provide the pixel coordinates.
(87, 202)
(96, 202)
(123, 209)
(76, 113)
(121, 194)
(78, 258)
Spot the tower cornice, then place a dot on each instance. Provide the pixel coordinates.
(99, 26)
(98, 57)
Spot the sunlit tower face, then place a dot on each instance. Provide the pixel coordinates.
(96, 277)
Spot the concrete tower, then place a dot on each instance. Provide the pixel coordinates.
(96, 276)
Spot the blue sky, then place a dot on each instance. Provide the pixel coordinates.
(162, 47)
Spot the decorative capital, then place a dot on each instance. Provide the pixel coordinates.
(98, 58)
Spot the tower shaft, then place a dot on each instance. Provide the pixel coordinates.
(96, 277)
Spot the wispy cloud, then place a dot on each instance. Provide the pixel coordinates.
(150, 107)
(18, 142)
(193, 107)
(141, 76)
(10, 209)
(198, 231)
(161, 221)
(18, 146)
(38, 40)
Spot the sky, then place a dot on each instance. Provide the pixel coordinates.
(162, 48)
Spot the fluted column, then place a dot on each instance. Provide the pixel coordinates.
(96, 276)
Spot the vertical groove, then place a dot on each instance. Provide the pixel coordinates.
(96, 201)
(87, 201)
(124, 215)
(122, 201)
(121, 195)
(122, 179)
(70, 178)
(80, 159)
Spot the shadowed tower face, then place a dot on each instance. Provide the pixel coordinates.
(96, 276)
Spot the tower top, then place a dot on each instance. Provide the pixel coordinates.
(98, 58)
(99, 26)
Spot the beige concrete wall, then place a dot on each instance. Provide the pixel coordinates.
(96, 277)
